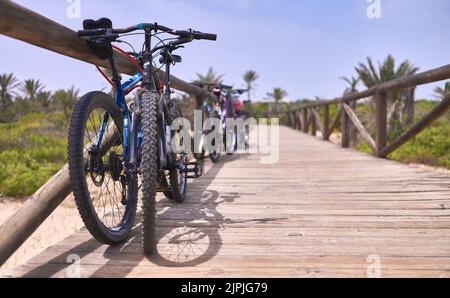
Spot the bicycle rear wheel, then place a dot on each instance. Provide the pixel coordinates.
(105, 192)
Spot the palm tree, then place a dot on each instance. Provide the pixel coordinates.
(401, 102)
(31, 88)
(44, 98)
(277, 95)
(249, 78)
(211, 77)
(441, 93)
(352, 82)
(67, 99)
(7, 85)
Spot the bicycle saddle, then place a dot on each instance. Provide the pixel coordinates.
(102, 23)
(99, 46)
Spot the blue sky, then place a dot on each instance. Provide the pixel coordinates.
(303, 46)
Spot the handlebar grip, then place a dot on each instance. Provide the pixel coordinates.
(92, 32)
(206, 36)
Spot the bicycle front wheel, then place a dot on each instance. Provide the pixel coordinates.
(105, 192)
(149, 169)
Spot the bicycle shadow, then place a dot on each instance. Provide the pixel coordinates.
(187, 234)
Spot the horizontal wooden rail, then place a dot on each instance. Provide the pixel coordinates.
(434, 75)
(23, 24)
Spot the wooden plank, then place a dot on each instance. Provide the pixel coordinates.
(323, 219)
(59, 270)
(360, 127)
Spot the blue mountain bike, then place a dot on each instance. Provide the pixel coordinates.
(118, 148)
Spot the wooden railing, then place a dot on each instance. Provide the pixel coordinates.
(306, 118)
(23, 24)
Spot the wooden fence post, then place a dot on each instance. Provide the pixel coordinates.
(380, 120)
(345, 129)
(305, 120)
(299, 120)
(293, 120)
(326, 122)
(352, 131)
(313, 123)
(288, 119)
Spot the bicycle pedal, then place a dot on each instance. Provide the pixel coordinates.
(193, 170)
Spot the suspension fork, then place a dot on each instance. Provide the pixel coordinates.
(151, 86)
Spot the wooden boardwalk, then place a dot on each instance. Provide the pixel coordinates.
(320, 212)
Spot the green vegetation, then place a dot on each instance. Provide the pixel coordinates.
(31, 151)
(430, 147)
(400, 103)
(250, 77)
(211, 77)
(277, 95)
(33, 133)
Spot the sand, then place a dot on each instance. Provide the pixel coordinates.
(63, 222)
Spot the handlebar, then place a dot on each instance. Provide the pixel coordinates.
(145, 26)
(240, 91)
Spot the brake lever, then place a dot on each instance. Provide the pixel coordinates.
(174, 48)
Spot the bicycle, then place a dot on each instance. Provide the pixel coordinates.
(242, 136)
(113, 144)
(212, 109)
(226, 106)
(227, 97)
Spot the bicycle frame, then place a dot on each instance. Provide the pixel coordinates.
(132, 133)
(119, 98)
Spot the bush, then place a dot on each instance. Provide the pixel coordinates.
(31, 151)
(431, 147)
